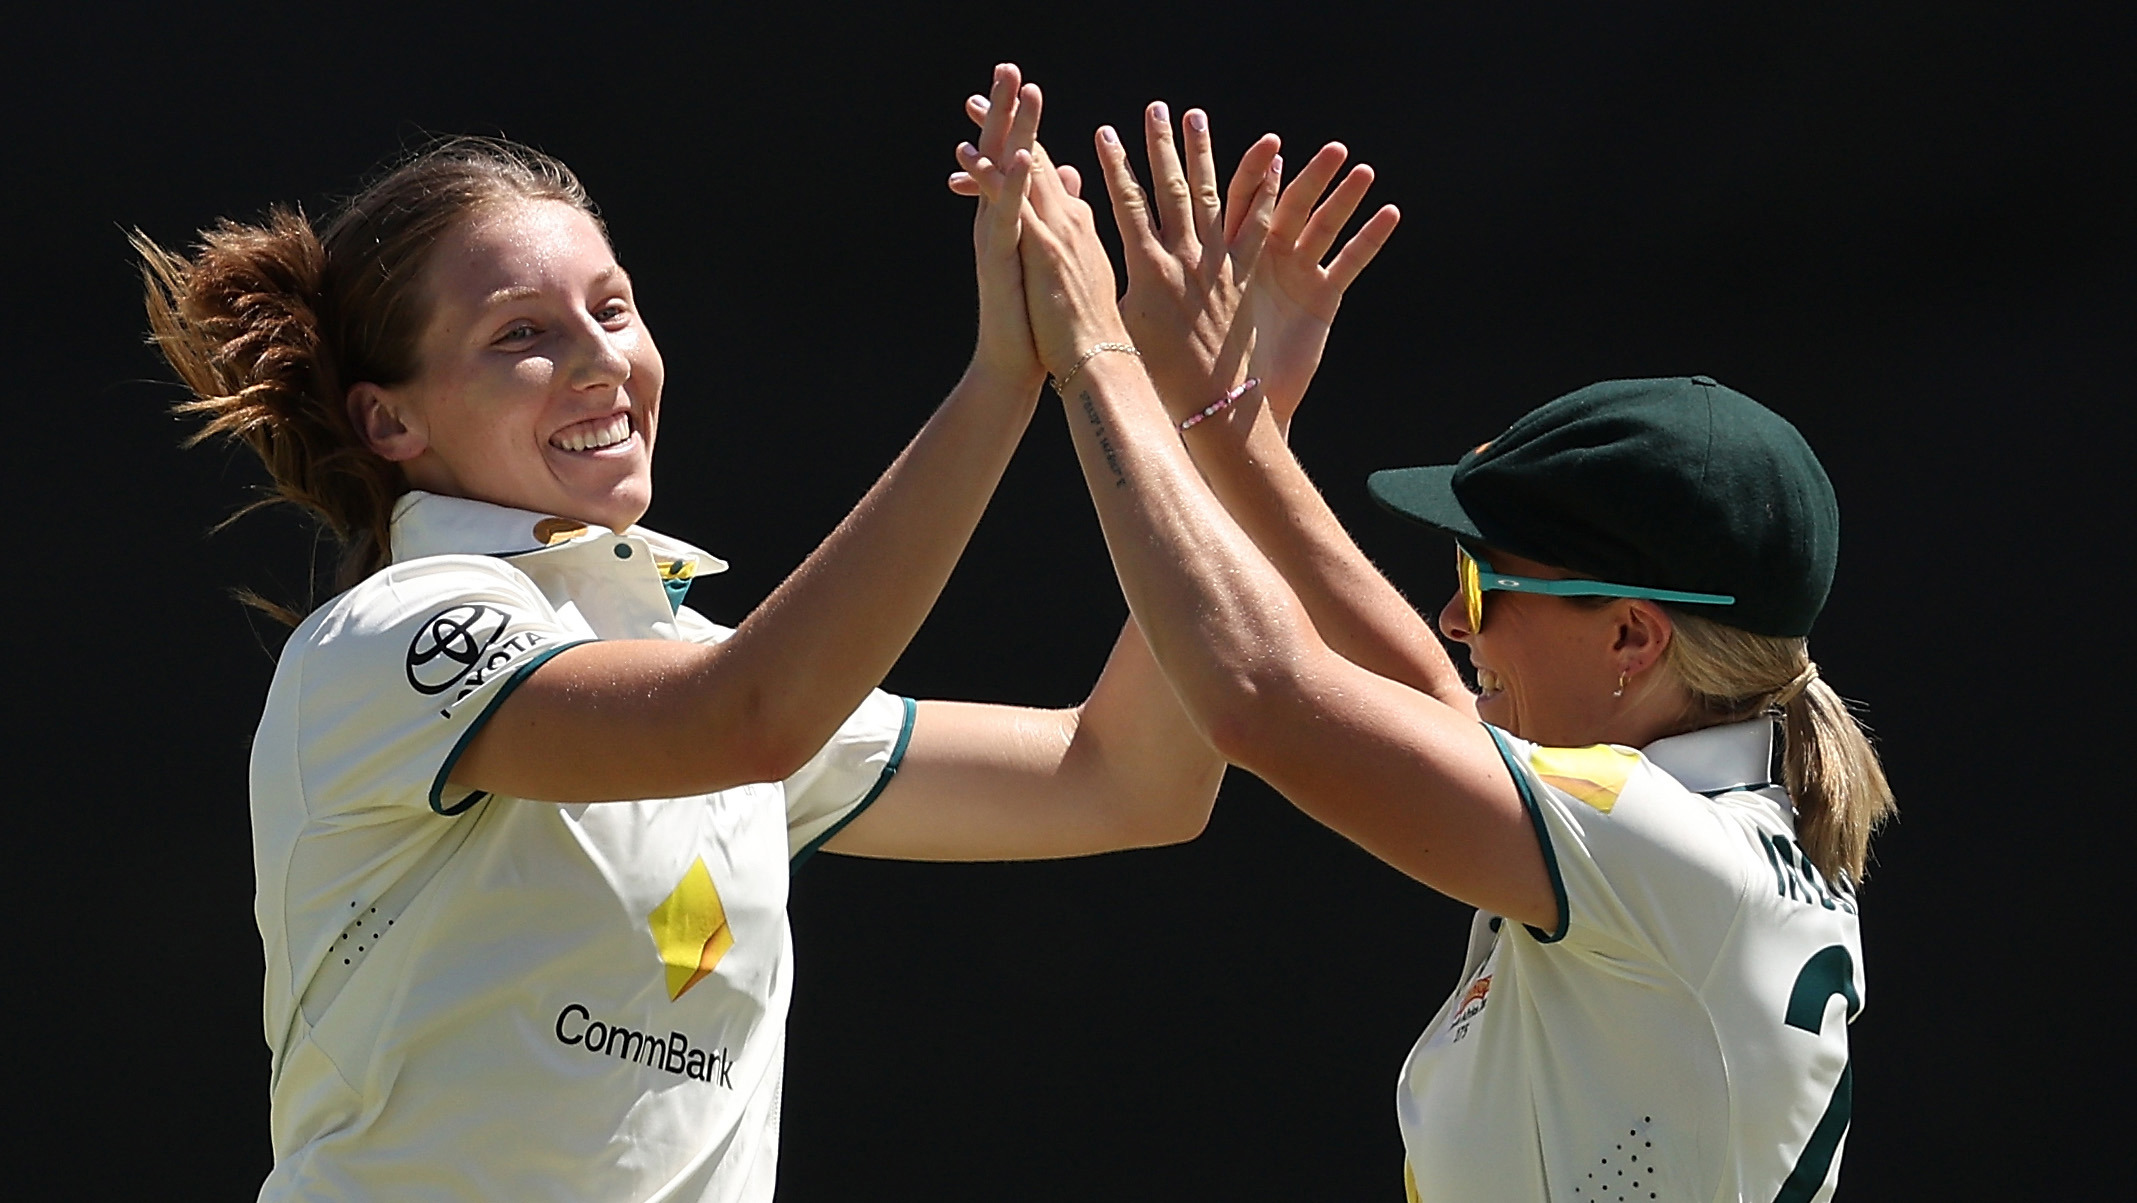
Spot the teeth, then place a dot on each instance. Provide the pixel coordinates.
(591, 436)
(1488, 681)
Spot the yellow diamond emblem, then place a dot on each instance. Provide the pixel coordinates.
(1595, 775)
(690, 929)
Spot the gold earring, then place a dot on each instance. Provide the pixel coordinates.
(1619, 692)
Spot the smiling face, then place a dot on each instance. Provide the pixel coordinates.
(1549, 668)
(537, 383)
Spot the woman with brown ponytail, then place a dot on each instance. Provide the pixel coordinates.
(1663, 815)
(523, 821)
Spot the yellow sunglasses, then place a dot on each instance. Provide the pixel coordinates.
(1476, 577)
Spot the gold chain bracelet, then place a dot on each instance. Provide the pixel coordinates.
(1061, 382)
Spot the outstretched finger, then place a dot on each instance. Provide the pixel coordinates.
(1247, 181)
(1206, 205)
(1168, 182)
(1327, 220)
(1297, 203)
(1131, 205)
(1002, 96)
(1362, 246)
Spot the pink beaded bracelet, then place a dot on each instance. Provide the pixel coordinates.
(1245, 386)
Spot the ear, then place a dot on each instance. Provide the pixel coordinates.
(383, 423)
(1644, 633)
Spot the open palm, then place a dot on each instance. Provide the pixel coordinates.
(1292, 297)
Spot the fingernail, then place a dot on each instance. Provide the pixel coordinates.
(1158, 111)
(1276, 165)
(977, 101)
(1107, 135)
(1197, 120)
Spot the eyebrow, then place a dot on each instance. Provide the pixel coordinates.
(613, 271)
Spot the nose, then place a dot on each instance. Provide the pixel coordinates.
(1454, 618)
(599, 362)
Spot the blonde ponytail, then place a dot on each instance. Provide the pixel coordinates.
(1831, 770)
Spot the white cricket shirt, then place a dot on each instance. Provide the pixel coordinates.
(484, 997)
(1683, 1036)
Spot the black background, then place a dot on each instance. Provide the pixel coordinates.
(1898, 226)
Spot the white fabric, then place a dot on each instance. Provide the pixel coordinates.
(1645, 1051)
(467, 996)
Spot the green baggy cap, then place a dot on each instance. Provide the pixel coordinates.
(1675, 483)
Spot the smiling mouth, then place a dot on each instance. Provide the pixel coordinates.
(1488, 681)
(595, 434)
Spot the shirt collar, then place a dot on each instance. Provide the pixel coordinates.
(433, 524)
(1716, 760)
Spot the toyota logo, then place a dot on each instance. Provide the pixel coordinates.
(450, 644)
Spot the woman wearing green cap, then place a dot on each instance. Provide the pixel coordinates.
(1663, 816)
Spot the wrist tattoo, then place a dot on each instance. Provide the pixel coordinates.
(1105, 441)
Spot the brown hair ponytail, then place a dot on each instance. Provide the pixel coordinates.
(268, 325)
(1832, 771)
(239, 323)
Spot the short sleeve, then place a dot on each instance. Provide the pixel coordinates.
(1643, 868)
(848, 774)
(403, 671)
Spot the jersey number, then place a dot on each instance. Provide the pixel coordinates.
(1830, 971)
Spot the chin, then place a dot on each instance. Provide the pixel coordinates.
(617, 507)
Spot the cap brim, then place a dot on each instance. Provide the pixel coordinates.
(1425, 496)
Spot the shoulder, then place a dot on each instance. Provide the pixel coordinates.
(427, 623)
(1628, 812)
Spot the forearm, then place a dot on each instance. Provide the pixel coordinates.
(1251, 469)
(1136, 747)
(809, 651)
(1217, 614)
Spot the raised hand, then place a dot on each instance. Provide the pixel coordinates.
(1293, 298)
(1189, 252)
(997, 172)
(1068, 281)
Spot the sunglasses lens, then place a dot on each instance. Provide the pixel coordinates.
(1465, 570)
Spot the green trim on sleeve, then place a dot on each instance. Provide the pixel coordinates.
(890, 770)
(437, 786)
(1543, 839)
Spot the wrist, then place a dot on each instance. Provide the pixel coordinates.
(1073, 344)
(1000, 383)
(1094, 353)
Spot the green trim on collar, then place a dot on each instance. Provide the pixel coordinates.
(437, 785)
(1543, 840)
(890, 770)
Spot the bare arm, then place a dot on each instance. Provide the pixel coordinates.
(986, 782)
(648, 719)
(1416, 782)
(1124, 770)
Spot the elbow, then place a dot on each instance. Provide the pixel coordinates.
(1246, 718)
(1176, 818)
(768, 744)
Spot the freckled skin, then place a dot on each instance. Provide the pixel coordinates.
(533, 333)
